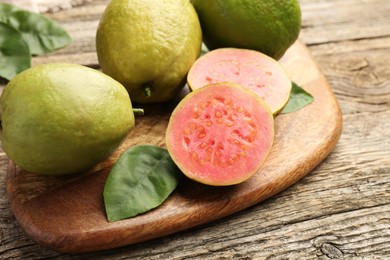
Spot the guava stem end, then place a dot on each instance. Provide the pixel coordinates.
(148, 89)
(138, 111)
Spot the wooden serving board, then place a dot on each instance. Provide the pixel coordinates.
(67, 213)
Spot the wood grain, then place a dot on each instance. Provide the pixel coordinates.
(71, 218)
(338, 211)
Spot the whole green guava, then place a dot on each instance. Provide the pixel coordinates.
(59, 119)
(149, 46)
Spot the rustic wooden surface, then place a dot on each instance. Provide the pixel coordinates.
(339, 211)
(67, 214)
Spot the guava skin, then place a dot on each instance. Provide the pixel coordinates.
(61, 119)
(270, 27)
(149, 45)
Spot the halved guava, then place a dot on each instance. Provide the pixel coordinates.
(220, 134)
(251, 69)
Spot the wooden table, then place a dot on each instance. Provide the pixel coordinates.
(341, 210)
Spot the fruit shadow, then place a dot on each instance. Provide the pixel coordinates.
(162, 108)
(195, 193)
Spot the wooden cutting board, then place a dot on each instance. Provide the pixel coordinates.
(67, 213)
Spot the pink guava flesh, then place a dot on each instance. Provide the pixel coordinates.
(251, 69)
(220, 134)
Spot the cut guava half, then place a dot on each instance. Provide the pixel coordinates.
(251, 69)
(220, 134)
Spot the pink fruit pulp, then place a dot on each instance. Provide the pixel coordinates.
(251, 69)
(220, 134)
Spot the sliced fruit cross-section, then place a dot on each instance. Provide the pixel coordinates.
(251, 69)
(220, 134)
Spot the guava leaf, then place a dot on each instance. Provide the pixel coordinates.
(6, 9)
(14, 52)
(142, 179)
(299, 98)
(42, 34)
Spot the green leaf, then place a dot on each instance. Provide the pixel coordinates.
(14, 52)
(6, 9)
(142, 179)
(42, 34)
(299, 98)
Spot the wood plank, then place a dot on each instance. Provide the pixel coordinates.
(334, 21)
(347, 235)
(43, 6)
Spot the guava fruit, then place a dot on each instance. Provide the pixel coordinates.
(270, 27)
(251, 69)
(220, 134)
(59, 119)
(149, 46)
